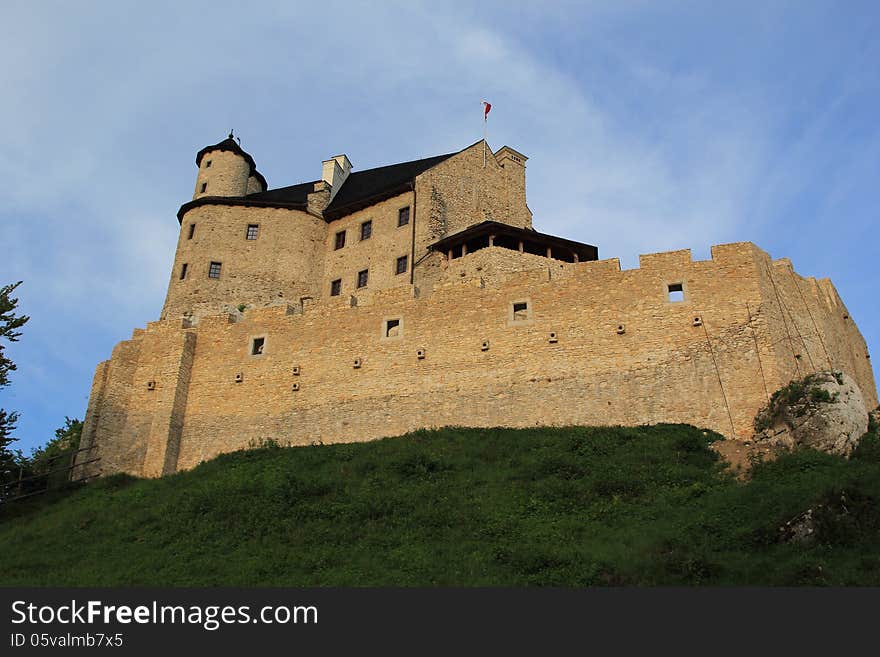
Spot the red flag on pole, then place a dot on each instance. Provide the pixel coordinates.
(486, 108)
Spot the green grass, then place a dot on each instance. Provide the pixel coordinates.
(560, 507)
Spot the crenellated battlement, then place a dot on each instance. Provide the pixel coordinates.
(434, 303)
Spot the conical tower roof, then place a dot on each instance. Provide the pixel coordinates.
(229, 145)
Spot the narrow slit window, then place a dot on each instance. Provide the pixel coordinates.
(402, 265)
(363, 278)
(207, 164)
(336, 287)
(392, 328)
(214, 270)
(340, 240)
(253, 230)
(183, 268)
(676, 292)
(192, 231)
(257, 346)
(520, 311)
(204, 187)
(403, 216)
(366, 230)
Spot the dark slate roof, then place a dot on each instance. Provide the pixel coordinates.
(231, 146)
(585, 252)
(363, 188)
(292, 195)
(246, 201)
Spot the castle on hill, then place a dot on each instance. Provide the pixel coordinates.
(370, 303)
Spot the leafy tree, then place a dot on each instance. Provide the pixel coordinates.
(8, 459)
(66, 440)
(10, 323)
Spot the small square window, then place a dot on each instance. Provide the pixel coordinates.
(520, 311)
(401, 266)
(392, 328)
(366, 230)
(340, 240)
(207, 164)
(336, 287)
(204, 187)
(252, 231)
(363, 277)
(257, 346)
(214, 270)
(192, 231)
(403, 216)
(183, 268)
(676, 292)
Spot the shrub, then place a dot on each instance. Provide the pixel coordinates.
(844, 517)
(264, 443)
(868, 448)
(818, 395)
(797, 396)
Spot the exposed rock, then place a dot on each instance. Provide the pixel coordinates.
(824, 411)
(805, 528)
(838, 517)
(801, 529)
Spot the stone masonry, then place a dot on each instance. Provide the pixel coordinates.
(494, 337)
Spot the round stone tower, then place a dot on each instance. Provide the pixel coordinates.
(226, 170)
(237, 247)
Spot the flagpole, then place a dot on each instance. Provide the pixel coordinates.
(486, 107)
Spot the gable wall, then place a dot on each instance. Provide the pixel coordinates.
(378, 254)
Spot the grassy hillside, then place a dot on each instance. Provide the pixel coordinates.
(569, 507)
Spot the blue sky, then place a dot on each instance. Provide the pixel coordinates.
(649, 126)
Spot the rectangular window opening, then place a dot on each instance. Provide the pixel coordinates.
(192, 231)
(183, 268)
(403, 216)
(214, 270)
(204, 187)
(520, 311)
(363, 277)
(366, 230)
(392, 328)
(340, 240)
(402, 265)
(336, 287)
(676, 292)
(252, 231)
(257, 346)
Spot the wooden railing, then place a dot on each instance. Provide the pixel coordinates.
(23, 486)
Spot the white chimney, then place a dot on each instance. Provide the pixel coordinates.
(335, 171)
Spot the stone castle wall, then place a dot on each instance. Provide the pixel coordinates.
(378, 254)
(226, 175)
(462, 191)
(282, 265)
(294, 255)
(597, 346)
